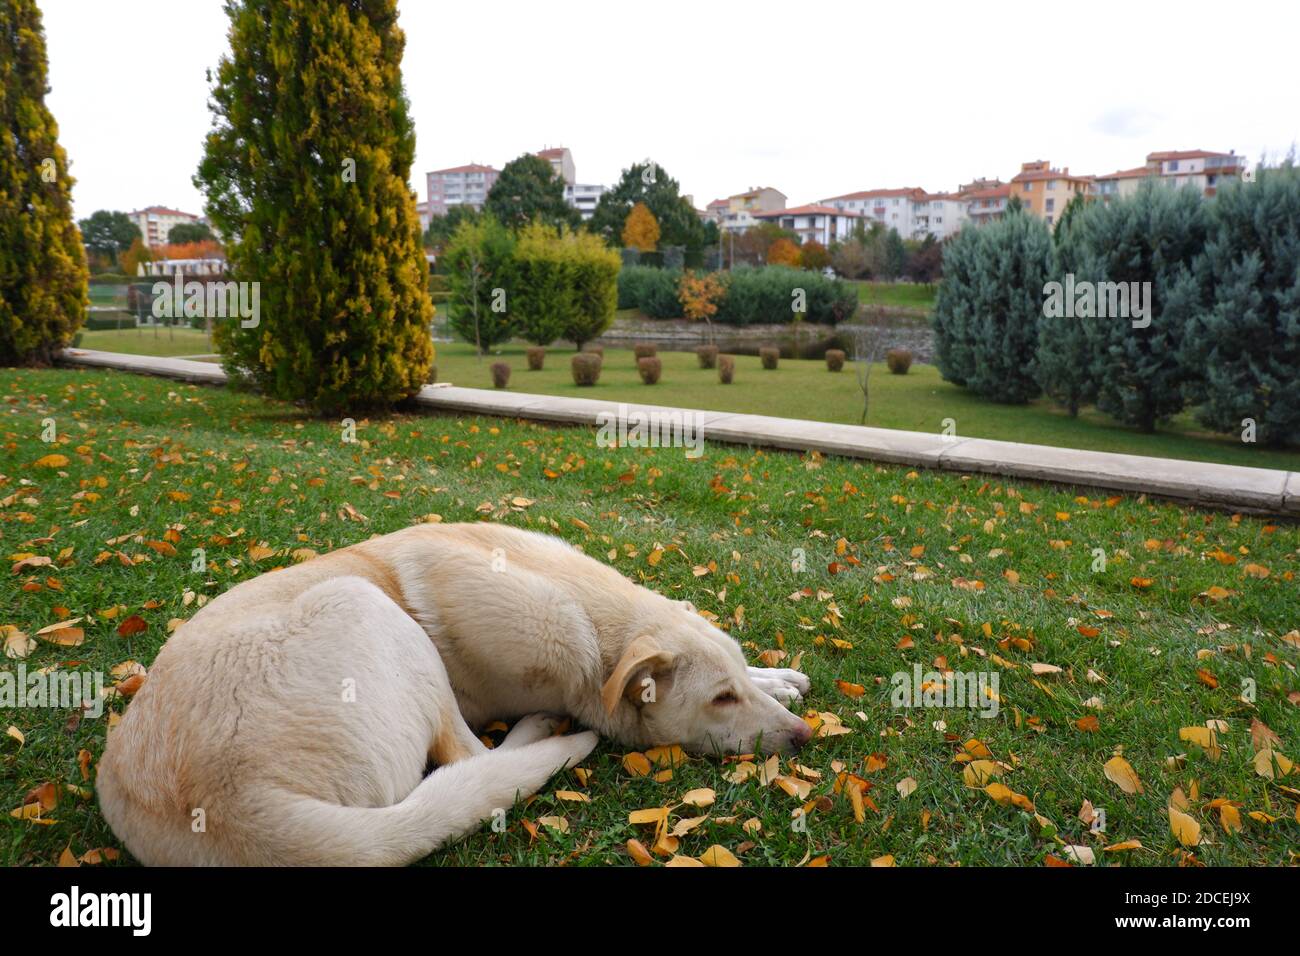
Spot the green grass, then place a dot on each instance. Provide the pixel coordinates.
(918, 401)
(148, 341)
(897, 295)
(226, 471)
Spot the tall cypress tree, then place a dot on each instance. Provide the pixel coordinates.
(1244, 343)
(1153, 236)
(43, 275)
(305, 171)
(1064, 357)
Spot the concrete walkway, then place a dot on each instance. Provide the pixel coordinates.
(1225, 486)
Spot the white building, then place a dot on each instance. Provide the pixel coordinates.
(939, 215)
(583, 197)
(156, 222)
(892, 208)
(458, 185)
(824, 224)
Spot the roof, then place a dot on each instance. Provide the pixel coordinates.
(1040, 174)
(718, 202)
(1183, 154)
(912, 191)
(468, 168)
(812, 209)
(1137, 172)
(556, 153)
(997, 192)
(162, 211)
(756, 190)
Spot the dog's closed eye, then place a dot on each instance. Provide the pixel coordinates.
(726, 697)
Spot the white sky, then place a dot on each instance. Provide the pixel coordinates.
(814, 98)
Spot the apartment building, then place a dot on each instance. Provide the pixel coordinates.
(986, 204)
(583, 197)
(155, 222)
(1198, 168)
(939, 215)
(459, 185)
(561, 160)
(822, 223)
(893, 208)
(739, 212)
(1121, 183)
(1046, 191)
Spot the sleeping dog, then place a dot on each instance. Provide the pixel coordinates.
(292, 719)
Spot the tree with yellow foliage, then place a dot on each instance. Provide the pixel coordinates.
(783, 252)
(641, 229)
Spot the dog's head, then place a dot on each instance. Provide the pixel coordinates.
(684, 681)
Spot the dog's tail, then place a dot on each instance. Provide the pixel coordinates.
(449, 803)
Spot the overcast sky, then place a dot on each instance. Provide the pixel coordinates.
(811, 97)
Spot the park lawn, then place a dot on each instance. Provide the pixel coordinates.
(149, 341)
(855, 571)
(897, 295)
(919, 401)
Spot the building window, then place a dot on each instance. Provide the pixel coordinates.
(1173, 165)
(1051, 204)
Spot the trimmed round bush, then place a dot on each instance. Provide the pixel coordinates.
(726, 369)
(769, 357)
(500, 374)
(834, 360)
(586, 368)
(650, 368)
(536, 358)
(898, 360)
(595, 350)
(708, 356)
(645, 350)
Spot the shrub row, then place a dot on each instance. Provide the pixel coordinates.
(1212, 318)
(766, 295)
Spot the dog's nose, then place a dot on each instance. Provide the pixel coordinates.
(801, 734)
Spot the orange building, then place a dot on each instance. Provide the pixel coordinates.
(1045, 191)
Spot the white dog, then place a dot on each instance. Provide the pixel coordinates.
(292, 719)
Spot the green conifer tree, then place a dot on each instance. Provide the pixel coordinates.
(43, 274)
(305, 171)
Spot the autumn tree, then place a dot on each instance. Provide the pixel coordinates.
(699, 295)
(648, 182)
(108, 233)
(783, 252)
(641, 230)
(43, 275)
(305, 171)
(813, 256)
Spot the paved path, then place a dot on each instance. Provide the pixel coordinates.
(1228, 486)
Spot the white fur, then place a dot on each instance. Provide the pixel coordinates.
(294, 716)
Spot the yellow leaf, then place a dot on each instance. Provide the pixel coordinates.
(51, 461)
(637, 851)
(1121, 773)
(717, 855)
(1187, 830)
(555, 823)
(702, 797)
(886, 860)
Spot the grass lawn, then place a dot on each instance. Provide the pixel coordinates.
(900, 569)
(901, 295)
(147, 341)
(918, 401)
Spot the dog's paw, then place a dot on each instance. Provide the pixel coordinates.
(781, 682)
(530, 729)
(572, 748)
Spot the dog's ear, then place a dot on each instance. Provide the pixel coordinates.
(643, 658)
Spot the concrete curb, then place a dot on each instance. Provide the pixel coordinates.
(1223, 486)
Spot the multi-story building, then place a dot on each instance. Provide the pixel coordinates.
(1198, 168)
(825, 224)
(892, 208)
(422, 210)
(1045, 191)
(1116, 185)
(987, 204)
(460, 185)
(583, 197)
(939, 215)
(739, 212)
(561, 161)
(155, 222)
